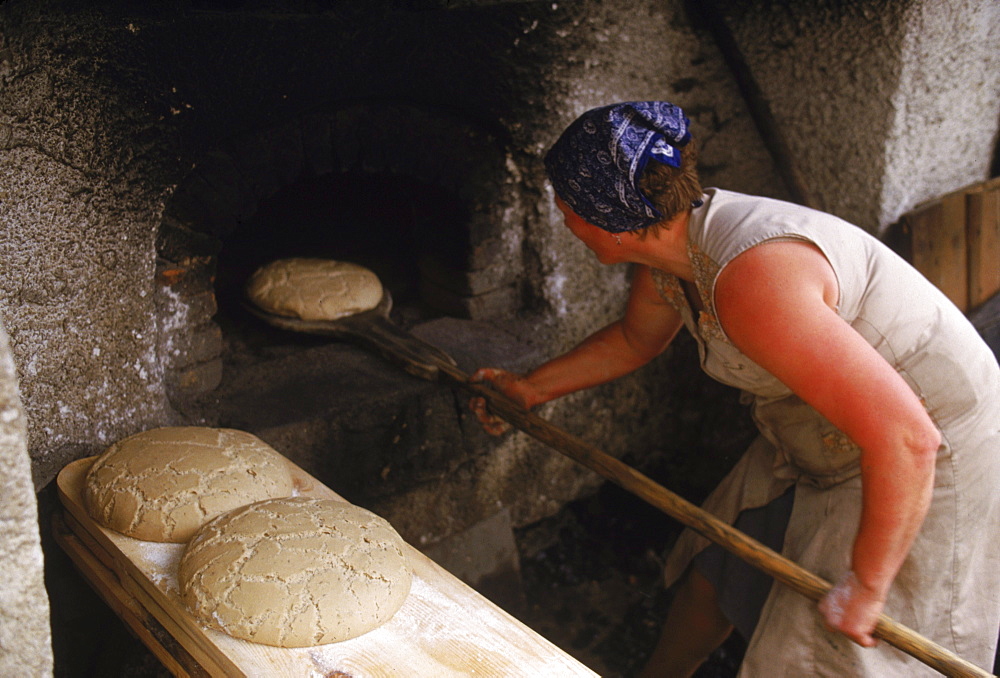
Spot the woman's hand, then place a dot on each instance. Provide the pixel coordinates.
(514, 386)
(647, 328)
(852, 609)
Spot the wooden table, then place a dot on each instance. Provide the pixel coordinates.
(443, 629)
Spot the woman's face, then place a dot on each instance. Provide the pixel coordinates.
(606, 246)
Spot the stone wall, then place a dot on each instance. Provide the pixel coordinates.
(24, 606)
(883, 104)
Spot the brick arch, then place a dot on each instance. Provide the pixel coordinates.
(228, 183)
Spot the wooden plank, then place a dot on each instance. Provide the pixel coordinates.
(117, 576)
(444, 629)
(129, 610)
(939, 245)
(983, 215)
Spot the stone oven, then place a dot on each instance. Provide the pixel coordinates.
(152, 156)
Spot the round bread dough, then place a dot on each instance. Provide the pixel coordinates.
(163, 484)
(295, 572)
(314, 289)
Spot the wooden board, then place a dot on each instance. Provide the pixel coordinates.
(954, 241)
(443, 629)
(983, 214)
(939, 247)
(171, 653)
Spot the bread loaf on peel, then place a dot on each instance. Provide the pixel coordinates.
(314, 289)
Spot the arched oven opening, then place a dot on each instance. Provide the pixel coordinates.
(396, 226)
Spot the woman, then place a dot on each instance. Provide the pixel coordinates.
(878, 407)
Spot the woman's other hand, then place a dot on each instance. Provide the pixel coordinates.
(514, 386)
(852, 609)
(650, 323)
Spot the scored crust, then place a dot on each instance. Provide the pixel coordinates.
(163, 484)
(295, 572)
(314, 289)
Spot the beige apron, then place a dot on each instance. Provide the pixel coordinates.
(949, 586)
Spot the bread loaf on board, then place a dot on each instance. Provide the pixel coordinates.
(163, 484)
(295, 572)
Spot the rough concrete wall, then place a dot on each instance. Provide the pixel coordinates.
(596, 53)
(945, 123)
(883, 104)
(77, 212)
(25, 637)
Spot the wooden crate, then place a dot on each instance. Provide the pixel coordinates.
(983, 214)
(954, 240)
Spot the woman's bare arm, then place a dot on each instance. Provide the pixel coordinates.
(645, 331)
(776, 303)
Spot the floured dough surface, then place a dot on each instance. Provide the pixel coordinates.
(163, 484)
(314, 289)
(295, 572)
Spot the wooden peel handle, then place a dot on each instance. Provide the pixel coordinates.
(718, 531)
(428, 362)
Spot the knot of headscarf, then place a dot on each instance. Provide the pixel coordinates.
(596, 164)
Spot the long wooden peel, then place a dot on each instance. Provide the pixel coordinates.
(374, 330)
(428, 362)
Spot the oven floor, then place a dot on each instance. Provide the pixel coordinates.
(594, 575)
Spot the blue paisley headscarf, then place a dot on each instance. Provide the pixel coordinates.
(596, 164)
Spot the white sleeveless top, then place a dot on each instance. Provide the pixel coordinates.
(946, 363)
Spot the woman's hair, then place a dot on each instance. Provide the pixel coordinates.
(672, 190)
